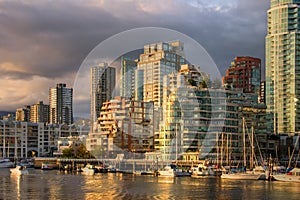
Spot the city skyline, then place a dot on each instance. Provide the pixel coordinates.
(42, 44)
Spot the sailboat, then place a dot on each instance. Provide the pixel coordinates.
(171, 170)
(294, 174)
(246, 175)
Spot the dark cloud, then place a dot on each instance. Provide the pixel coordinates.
(51, 39)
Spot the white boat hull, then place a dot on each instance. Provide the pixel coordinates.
(6, 163)
(241, 176)
(167, 173)
(88, 171)
(286, 178)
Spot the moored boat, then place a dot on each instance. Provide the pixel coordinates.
(27, 164)
(88, 170)
(292, 176)
(205, 170)
(242, 176)
(172, 171)
(6, 163)
(101, 169)
(262, 171)
(46, 166)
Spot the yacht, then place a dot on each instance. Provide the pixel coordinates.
(6, 163)
(248, 175)
(292, 176)
(172, 171)
(202, 170)
(258, 172)
(88, 170)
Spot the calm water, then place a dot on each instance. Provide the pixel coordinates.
(55, 185)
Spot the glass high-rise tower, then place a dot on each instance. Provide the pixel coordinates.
(283, 65)
(103, 80)
(61, 104)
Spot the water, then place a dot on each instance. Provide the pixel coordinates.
(56, 185)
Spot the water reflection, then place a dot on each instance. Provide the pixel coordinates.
(54, 185)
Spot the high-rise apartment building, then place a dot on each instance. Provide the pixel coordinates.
(262, 93)
(194, 116)
(128, 67)
(158, 59)
(103, 80)
(61, 104)
(283, 65)
(39, 112)
(244, 73)
(23, 114)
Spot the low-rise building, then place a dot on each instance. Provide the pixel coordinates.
(26, 139)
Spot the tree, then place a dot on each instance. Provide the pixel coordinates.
(203, 84)
(68, 153)
(192, 82)
(77, 151)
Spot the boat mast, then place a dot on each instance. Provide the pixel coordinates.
(252, 147)
(227, 150)
(244, 142)
(222, 149)
(289, 165)
(165, 142)
(176, 143)
(217, 142)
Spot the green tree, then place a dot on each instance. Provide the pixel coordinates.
(192, 82)
(77, 151)
(68, 153)
(203, 84)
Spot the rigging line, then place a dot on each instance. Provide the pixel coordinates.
(293, 152)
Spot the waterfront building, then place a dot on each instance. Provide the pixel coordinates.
(124, 126)
(128, 67)
(39, 112)
(139, 84)
(26, 139)
(158, 59)
(103, 80)
(61, 104)
(283, 65)
(256, 118)
(244, 73)
(23, 114)
(196, 119)
(288, 148)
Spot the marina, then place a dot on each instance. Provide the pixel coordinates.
(54, 184)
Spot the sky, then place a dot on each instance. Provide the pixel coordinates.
(43, 43)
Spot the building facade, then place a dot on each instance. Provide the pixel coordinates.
(244, 73)
(39, 112)
(61, 104)
(23, 114)
(283, 65)
(196, 119)
(124, 126)
(27, 139)
(262, 93)
(158, 59)
(128, 67)
(103, 80)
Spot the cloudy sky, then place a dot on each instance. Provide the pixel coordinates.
(44, 42)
